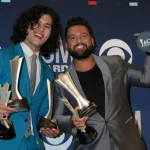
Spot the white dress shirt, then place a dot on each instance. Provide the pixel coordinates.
(28, 56)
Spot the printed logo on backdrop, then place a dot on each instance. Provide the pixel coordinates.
(63, 142)
(143, 41)
(59, 61)
(116, 47)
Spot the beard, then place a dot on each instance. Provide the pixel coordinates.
(83, 53)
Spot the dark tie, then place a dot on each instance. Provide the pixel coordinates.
(32, 88)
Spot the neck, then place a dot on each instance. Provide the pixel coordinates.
(32, 47)
(84, 64)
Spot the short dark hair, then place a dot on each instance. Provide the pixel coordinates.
(31, 16)
(79, 21)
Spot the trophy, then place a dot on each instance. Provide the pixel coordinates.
(86, 108)
(6, 127)
(46, 121)
(18, 102)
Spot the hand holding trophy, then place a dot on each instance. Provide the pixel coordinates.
(86, 108)
(6, 127)
(18, 103)
(46, 121)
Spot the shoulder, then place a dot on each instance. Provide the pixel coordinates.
(109, 58)
(8, 51)
(113, 61)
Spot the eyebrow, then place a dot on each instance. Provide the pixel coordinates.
(48, 24)
(75, 34)
(45, 22)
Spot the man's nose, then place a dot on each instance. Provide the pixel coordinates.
(41, 27)
(78, 40)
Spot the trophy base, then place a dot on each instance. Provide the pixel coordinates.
(87, 111)
(19, 104)
(88, 137)
(46, 123)
(7, 133)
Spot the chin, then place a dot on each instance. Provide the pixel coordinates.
(38, 43)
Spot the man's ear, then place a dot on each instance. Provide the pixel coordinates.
(93, 41)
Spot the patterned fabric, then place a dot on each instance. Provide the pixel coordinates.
(33, 74)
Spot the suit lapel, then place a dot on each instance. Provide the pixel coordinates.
(76, 81)
(107, 83)
(75, 78)
(42, 77)
(24, 76)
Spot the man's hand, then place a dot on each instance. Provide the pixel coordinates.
(51, 133)
(5, 111)
(79, 123)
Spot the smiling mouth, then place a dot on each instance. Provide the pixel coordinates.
(80, 46)
(38, 35)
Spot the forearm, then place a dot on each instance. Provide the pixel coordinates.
(64, 123)
(139, 76)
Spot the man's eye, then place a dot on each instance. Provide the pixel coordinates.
(84, 35)
(47, 27)
(72, 37)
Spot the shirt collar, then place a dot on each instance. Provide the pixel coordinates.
(27, 51)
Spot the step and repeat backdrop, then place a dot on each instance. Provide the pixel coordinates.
(115, 25)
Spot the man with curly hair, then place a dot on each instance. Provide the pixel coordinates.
(36, 32)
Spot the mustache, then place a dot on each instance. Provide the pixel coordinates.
(83, 44)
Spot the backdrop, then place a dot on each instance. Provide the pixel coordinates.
(114, 24)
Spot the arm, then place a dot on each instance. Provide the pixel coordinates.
(138, 76)
(61, 113)
(49, 132)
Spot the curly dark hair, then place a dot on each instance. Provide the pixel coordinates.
(31, 16)
(79, 21)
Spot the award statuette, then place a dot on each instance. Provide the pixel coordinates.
(18, 102)
(7, 131)
(46, 121)
(86, 108)
(69, 106)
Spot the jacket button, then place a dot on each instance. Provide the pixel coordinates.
(106, 122)
(25, 120)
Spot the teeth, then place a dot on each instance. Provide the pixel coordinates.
(38, 35)
(80, 46)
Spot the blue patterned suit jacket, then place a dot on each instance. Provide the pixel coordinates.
(38, 103)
